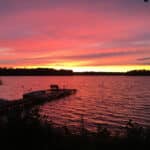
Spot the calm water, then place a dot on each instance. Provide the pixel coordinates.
(108, 100)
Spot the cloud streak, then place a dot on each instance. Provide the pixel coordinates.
(143, 59)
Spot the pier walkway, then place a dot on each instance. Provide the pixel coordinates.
(34, 98)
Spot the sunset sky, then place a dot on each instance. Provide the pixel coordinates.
(83, 35)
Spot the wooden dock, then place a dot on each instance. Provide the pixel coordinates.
(34, 98)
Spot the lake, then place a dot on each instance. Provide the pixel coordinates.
(101, 100)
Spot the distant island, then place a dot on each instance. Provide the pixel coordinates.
(62, 72)
(33, 72)
(138, 73)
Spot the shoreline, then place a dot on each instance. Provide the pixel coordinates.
(30, 131)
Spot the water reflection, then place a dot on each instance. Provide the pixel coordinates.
(105, 100)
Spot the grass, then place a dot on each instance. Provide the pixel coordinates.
(25, 130)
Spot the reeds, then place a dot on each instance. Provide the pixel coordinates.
(28, 130)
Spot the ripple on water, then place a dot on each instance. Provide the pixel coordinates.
(107, 100)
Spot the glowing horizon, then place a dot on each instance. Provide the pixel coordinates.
(82, 35)
(88, 69)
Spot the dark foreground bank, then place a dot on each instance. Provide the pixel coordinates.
(25, 130)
